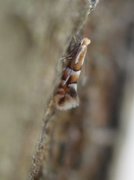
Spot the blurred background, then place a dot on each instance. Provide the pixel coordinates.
(94, 141)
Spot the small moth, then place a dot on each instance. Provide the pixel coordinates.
(66, 96)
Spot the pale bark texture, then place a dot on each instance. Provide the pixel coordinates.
(82, 143)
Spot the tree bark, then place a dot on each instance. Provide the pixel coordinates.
(83, 143)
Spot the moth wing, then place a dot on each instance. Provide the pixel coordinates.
(77, 55)
(69, 75)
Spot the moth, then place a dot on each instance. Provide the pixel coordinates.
(66, 96)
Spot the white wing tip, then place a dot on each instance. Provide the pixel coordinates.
(66, 102)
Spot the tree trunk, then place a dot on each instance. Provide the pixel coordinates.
(79, 143)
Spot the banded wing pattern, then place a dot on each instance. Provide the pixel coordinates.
(66, 96)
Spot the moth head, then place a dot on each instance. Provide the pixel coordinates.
(85, 41)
